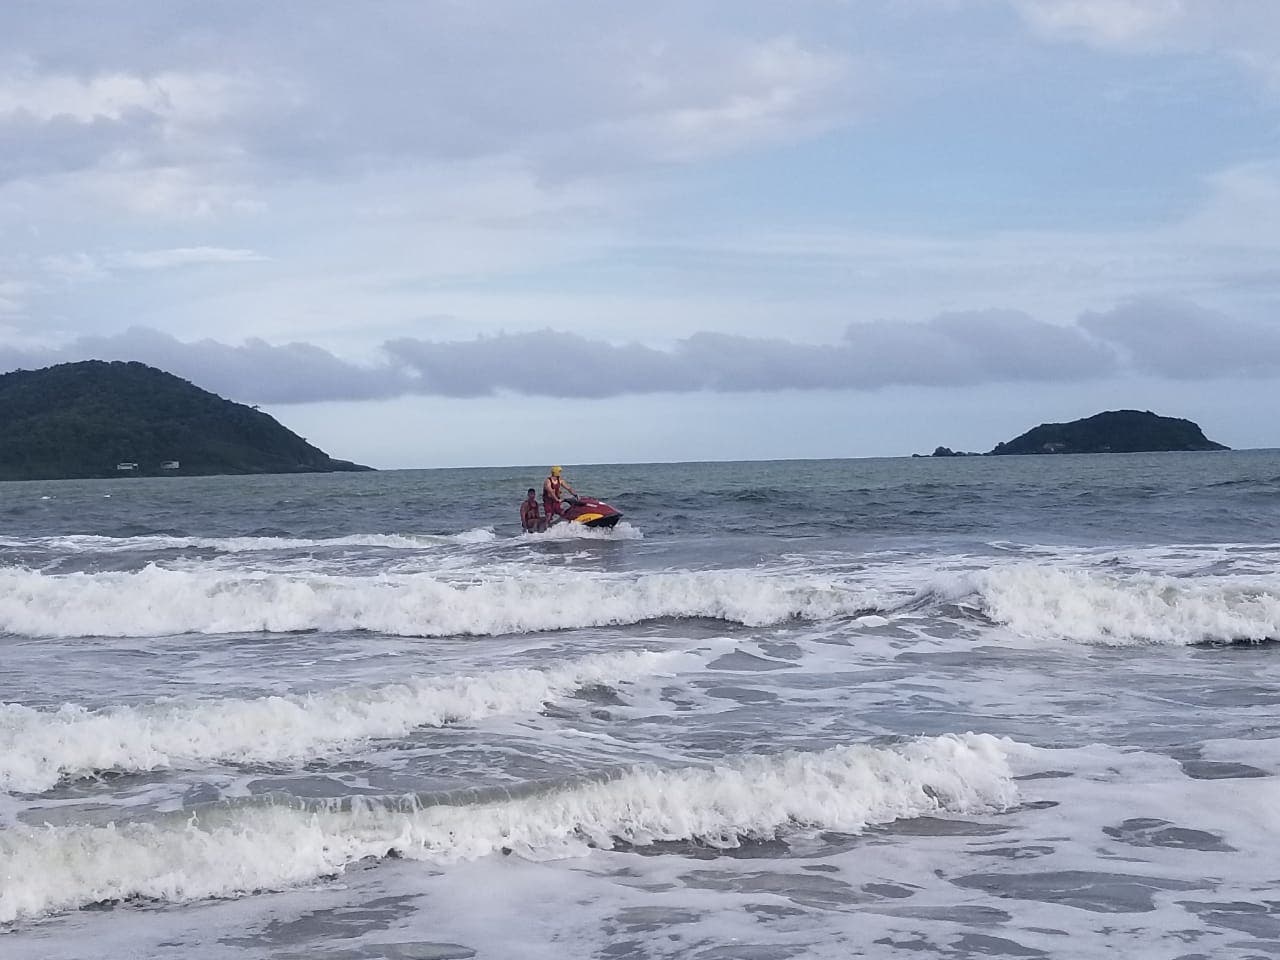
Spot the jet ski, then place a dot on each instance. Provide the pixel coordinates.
(590, 512)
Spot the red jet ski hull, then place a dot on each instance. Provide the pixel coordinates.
(591, 513)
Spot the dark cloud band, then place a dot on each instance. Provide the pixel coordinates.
(1168, 339)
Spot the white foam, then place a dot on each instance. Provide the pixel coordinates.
(40, 748)
(156, 601)
(225, 852)
(577, 531)
(85, 543)
(1091, 607)
(1263, 754)
(478, 535)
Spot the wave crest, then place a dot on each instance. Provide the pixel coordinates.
(1090, 607)
(88, 543)
(233, 851)
(40, 748)
(156, 601)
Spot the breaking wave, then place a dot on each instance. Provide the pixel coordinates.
(1091, 607)
(224, 851)
(156, 601)
(153, 542)
(39, 748)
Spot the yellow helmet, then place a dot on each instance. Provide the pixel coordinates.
(556, 471)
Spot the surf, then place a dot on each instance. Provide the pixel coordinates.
(41, 748)
(1095, 607)
(158, 601)
(232, 850)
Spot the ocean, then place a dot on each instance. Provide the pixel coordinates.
(916, 708)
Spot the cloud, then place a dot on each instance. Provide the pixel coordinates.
(565, 89)
(1184, 341)
(252, 372)
(1101, 22)
(953, 349)
(73, 267)
(12, 297)
(183, 257)
(115, 95)
(760, 92)
(1242, 32)
(55, 121)
(31, 147)
(545, 363)
(1176, 340)
(83, 267)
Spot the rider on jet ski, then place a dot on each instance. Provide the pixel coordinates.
(530, 519)
(553, 491)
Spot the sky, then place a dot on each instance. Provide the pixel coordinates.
(428, 233)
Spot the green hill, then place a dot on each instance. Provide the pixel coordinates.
(1116, 431)
(83, 419)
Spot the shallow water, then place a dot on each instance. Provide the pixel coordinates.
(952, 708)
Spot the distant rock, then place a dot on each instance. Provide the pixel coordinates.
(98, 419)
(946, 452)
(1115, 431)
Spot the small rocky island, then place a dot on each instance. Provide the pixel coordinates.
(99, 419)
(1115, 431)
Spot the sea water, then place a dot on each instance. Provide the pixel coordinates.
(1023, 707)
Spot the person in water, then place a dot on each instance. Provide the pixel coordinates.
(530, 517)
(553, 492)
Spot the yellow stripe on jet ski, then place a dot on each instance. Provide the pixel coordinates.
(587, 517)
